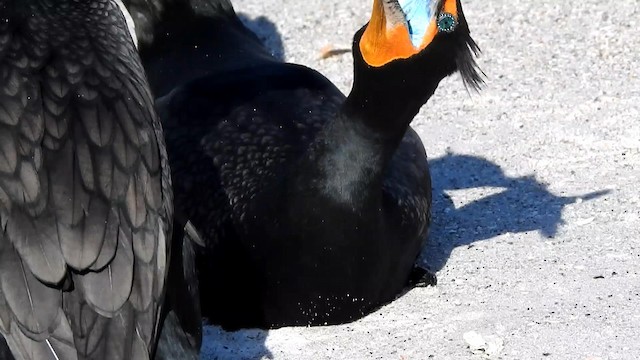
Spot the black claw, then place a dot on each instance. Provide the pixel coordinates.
(421, 277)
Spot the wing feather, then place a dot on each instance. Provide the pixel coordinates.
(81, 243)
(136, 206)
(32, 122)
(141, 293)
(110, 244)
(105, 338)
(125, 152)
(11, 108)
(85, 164)
(8, 152)
(70, 200)
(36, 242)
(144, 241)
(128, 127)
(84, 188)
(34, 304)
(59, 345)
(98, 122)
(107, 290)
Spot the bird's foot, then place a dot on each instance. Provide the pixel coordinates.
(421, 277)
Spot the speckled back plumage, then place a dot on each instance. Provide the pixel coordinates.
(85, 193)
(228, 151)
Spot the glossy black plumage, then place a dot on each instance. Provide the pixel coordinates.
(314, 206)
(85, 191)
(182, 40)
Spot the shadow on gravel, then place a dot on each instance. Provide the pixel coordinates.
(267, 32)
(519, 205)
(243, 344)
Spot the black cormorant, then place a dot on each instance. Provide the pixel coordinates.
(313, 205)
(85, 191)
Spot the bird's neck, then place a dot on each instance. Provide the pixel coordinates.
(386, 113)
(356, 146)
(353, 150)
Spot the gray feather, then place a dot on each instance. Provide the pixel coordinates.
(98, 122)
(107, 290)
(126, 154)
(68, 196)
(128, 125)
(144, 241)
(30, 181)
(142, 291)
(81, 244)
(32, 121)
(36, 242)
(76, 115)
(10, 111)
(34, 305)
(58, 346)
(85, 164)
(136, 206)
(8, 152)
(110, 244)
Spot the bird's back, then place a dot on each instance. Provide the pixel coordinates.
(249, 122)
(85, 196)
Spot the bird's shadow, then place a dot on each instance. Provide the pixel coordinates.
(504, 205)
(242, 344)
(267, 32)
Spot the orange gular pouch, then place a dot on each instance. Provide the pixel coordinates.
(389, 34)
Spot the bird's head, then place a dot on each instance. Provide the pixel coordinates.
(409, 46)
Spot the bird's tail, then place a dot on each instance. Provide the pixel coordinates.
(175, 343)
(181, 334)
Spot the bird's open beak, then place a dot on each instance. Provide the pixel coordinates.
(394, 24)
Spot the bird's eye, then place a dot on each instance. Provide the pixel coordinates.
(446, 23)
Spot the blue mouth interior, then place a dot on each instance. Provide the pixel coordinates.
(418, 14)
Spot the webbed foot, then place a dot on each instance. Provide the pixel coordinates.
(421, 277)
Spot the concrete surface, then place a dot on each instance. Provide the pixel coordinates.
(536, 234)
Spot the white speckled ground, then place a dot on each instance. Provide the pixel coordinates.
(520, 260)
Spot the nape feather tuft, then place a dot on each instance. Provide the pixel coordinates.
(472, 76)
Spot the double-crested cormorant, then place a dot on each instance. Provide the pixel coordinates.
(85, 191)
(313, 205)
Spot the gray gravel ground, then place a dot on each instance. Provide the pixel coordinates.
(536, 235)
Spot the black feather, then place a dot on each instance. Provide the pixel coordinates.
(181, 335)
(466, 53)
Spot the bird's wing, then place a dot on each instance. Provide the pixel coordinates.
(84, 186)
(407, 186)
(181, 334)
(228, 135)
